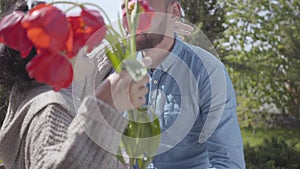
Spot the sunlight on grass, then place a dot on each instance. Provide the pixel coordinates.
(255, 138)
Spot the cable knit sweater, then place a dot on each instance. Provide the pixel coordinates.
(42, 131)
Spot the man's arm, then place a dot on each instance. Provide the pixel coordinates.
(221, 130)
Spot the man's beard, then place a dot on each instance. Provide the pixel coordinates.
(148, 40)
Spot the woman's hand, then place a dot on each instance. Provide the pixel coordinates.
(121, 92)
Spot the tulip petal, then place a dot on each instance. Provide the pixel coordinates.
(89, 22)
(48, 27)
(95, 22)
(10, 28)
(51, 68)
(146, 15)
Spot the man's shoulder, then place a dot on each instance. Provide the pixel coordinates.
(201, 56)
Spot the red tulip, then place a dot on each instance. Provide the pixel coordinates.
(13, 34)
(51, 68)
(146, 14)
(89, 23)
(95, 22)
(76, 39)
(47, 27)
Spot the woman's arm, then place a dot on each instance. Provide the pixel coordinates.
(88, 140)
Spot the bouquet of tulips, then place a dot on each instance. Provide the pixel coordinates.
(141, 138)
(56, 38)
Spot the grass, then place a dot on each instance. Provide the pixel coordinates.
(256, 138)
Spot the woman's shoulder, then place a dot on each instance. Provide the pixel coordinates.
(43, 95)
(28, 106)
(30, 102)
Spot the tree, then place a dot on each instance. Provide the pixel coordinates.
(208, 17)
(207, 14)
(262, 46)
(259, 42)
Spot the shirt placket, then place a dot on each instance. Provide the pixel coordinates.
(154, 89)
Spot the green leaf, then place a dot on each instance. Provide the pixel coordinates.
(120, 157)
(135, 68)
(115, 61)
(120, 26)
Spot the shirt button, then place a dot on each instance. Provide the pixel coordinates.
(155, 81)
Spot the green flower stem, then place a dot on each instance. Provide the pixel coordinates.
(133, 24)
(132, 45)
(133, 28)
(65, 2)
(131, 161)
(127, 14)
(129, 23)
(69, 9)
(112, 31)
(132, 116)
(133, 20)
(120, 26)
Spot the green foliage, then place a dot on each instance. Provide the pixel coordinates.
(273, 153)
(198, 38)
(256, 147)
(261, 48)
(259, 42)
(141, 138)
(208, 15)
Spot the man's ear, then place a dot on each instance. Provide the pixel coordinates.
(175, 11)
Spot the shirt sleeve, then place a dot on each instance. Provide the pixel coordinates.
(89, 140)
(220, 130)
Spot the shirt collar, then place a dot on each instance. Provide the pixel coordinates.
(173, 55)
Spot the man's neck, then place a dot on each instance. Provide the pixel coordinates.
(161, 51)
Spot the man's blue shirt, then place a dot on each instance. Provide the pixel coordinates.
(195, 100)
